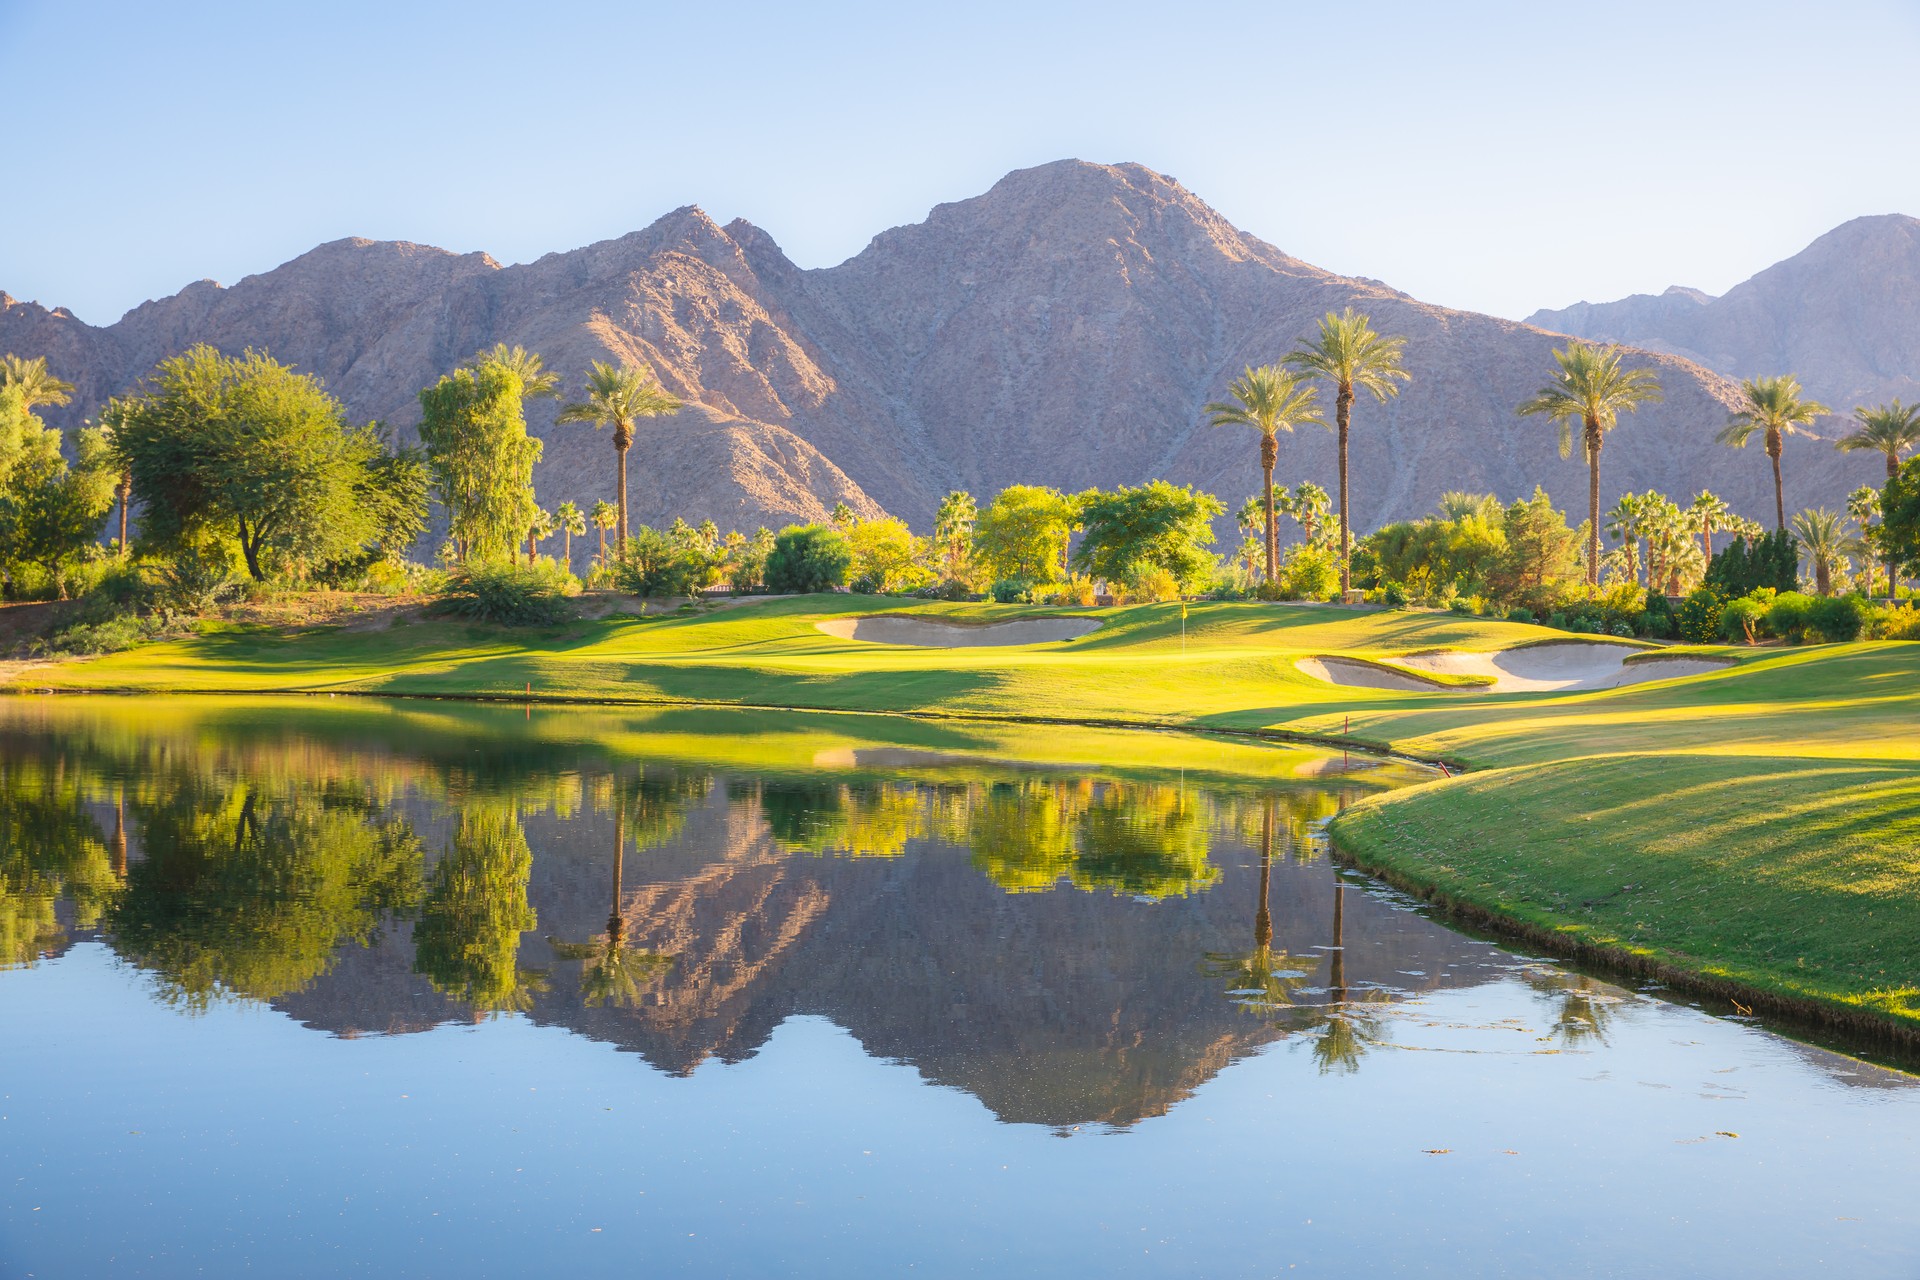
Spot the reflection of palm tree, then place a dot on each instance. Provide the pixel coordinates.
(613, 974)
(1263, 979)
(1348, 1027)
(1584, 1009)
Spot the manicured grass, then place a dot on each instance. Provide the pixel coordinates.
(1764, 814)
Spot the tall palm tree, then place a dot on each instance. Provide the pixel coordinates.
(538, 532)
(1823, 535)
(1270, 400)
(603, 515)
(953, 529)
(616, 397)
(535, 380)
(1307, 502)
(113, 419)
(1626, 521)
(568, 519)
(1774, 406)
(1592, 388)
(1709, 509)
(1349, 354)
(31, 376)
(1890, 429)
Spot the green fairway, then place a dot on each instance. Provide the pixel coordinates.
(1754, 826)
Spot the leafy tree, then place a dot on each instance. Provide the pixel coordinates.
(1824, 537)
(49, 511)
(393, 492)
(1592, 388)
(111, 419)
(1349, 354)
(1775, 407)
(1023, 534)
(538, 532)
(618, 398)
(1541, 550)
(1750, 563)
(1900, 518)
(244, 448)
(886, 556)
(807, 558)
(1270, 400)
(747, 559)
(1438, 559)
(37, 385)
(474, 429)
(1163, 525)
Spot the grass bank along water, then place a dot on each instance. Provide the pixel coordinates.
(1752, 825)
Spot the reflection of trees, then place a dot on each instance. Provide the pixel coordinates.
(48, 847)
(1262, 980)
(1582, 1010)
(1150, 841)
(467, 939)
(1348, 1027)
(1021, 834)
(853, 819)
(250, 890)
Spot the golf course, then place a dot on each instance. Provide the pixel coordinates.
(1737, 821)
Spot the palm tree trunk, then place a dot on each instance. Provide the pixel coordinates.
(1593, 508)
(1779, 492)
(1269, 455)
(614, 920)
(1343, 413)
(126, 497)
(1822, 576)
(1893, 588)
(622, 441)
(603, 544)
(1706, 537)
(1263, 918)
(568, 533)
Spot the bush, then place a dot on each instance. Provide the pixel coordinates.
(1743, 621)
(1520, 615)
(1837, 619)
(659, 563)
(1311, 572)
(1788, 615)
(1393, 595)
(193, 582)
(1462, 606)
(1898, 624)
(1077, 590)
(1012, 591)
(112, 635)
(1148, 583)
(506, 595)
(807, 558)
(1699, 616)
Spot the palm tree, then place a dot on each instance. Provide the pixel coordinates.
(568, 520)
(617, 397)
(953, 529)
(1456, 506)
(1709, 509)
(535, 380)
(31, 376)
(1626, 521)
(113, 418)
(1593, 389)
(1350, 354)
(1306, 504)
(1270, 400)
(1890, 429)
(1823, 535)
(603, 515)
(538, 532)
(1863, 504)
(1772, 405)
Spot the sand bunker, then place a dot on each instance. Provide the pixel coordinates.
(1537, 668)
(933, 633)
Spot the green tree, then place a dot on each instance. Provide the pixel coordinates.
(807, 558)
(474, 428)
(1457, 506)
(1886, 429)
(1863, 505)
(618, 398)
(1541, 549)
(572, 524)
(1023, 534)
(538, 531)
(1349, 355)
(112, 416)
(886, 556)
(1825, 538)
(1157, 524)
(1308, 504)
(1270, 400)
(604, 516)
(49, 511)
(1592, 388)
(1776, 408)
(244, 448)
(536, 381)
(1900, 518)
(1626, 521)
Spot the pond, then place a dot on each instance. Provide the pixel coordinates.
(323, 988)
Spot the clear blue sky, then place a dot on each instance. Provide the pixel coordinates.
(1499, 157)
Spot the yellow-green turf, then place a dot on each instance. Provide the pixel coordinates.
(1756, 824)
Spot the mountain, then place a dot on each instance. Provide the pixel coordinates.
(1843, 314)
(1064, 328)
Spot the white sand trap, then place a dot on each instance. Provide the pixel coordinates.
(1353, 674)
(1573, 664)
(933, 633)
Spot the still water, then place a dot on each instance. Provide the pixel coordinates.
(310, 989)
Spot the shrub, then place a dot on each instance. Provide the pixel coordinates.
(1899, 624)
(1788, 615)
(1012, 591)
(1699, 616)
(663, 563)
(506, 595)
(951, 589)
(1743, 621)
(112, 635)
(193, 582)
(1520, 615)
(1075, 590)
(1462, 606)
(1149, 583)
(807, 558)
(1837, 619)
(1311, 572)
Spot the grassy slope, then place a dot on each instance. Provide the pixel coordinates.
(1757, 823)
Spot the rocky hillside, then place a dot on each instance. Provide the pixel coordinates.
(1064, 328)
(1843, 314)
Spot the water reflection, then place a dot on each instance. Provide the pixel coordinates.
(1071, 945)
